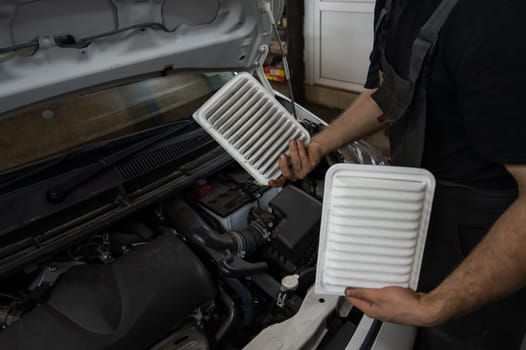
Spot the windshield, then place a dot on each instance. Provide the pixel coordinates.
(58, 125)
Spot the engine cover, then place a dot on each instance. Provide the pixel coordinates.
(129, 304)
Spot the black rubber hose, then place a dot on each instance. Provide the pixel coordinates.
(186, 220)
(307, 277)
(231, 317)
(309, 272)
(249, 240)
(246, 299)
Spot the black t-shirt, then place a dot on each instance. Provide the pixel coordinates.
(476, 118)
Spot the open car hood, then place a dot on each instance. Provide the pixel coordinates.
(53, 47)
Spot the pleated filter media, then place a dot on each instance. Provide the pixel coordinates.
(374, 227)
(251, 125)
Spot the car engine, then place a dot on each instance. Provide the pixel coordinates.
(209, 267)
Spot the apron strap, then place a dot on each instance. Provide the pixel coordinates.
(404, 101)
(381, 17)
(378, 26)
(427, 38)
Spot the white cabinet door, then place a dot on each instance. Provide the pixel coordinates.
(338, 41)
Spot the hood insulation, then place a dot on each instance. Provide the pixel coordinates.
(50, 48)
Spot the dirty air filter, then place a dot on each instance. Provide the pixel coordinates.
(251, 125)
(374, 226)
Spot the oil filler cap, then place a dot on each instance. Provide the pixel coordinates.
(289, 283)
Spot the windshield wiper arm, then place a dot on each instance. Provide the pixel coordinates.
(59, 192)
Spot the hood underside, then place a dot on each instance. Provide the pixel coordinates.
(53, 47)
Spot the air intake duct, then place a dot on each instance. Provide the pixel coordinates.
(187, 221)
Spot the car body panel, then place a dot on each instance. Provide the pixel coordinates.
(50, 48)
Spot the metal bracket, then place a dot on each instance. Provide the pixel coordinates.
(50, 273)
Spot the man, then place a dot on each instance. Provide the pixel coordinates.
(447, 77)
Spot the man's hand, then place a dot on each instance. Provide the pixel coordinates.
(397, 305)
(362, 118)
(302, 160)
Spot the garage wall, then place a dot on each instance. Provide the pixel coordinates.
(338, 41)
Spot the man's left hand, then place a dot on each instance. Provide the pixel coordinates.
(397, 305)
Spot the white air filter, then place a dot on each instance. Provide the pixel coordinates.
(374, 226)
(251, 125)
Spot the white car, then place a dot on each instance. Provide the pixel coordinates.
(123, 225)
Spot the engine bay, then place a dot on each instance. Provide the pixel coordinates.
(173, 246)
(212, 266)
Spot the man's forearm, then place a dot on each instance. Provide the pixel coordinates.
(495, 268)
(361, 119)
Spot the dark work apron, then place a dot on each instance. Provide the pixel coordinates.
(461, 215)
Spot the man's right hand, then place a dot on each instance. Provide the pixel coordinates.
(301, 160)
